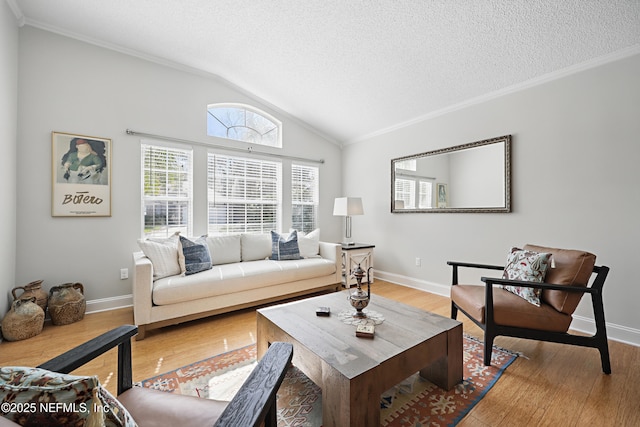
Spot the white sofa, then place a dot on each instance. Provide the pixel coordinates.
(242, 276)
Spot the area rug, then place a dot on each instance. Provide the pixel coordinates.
(414, 402)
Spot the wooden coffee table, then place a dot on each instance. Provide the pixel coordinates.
(353, 372)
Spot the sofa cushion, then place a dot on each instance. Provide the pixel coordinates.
(238, 277)
(284, 248)
(195, 254)
(255, 246)
(528, 266)
(163, 254)
(224, 249)
(309, 244)
(37, 389)
(568, 267)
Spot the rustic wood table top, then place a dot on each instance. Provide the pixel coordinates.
(335, 342)
(354, 371)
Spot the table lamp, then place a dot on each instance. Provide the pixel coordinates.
(347, 207)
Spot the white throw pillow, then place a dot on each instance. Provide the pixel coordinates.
(309, 244)
(224, 249)
(163, 254)
(255, 246)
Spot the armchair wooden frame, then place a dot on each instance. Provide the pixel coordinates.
(253, 405)
(491, 329)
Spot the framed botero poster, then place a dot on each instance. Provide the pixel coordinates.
(81, 181)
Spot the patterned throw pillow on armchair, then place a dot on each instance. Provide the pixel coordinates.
(528, 266)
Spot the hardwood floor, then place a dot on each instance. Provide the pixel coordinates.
(551, 384)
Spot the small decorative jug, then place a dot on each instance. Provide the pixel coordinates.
(359, 299)
(33, 289)
(67, 303)
(24, 320)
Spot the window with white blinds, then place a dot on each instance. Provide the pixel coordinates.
(167, 190)
(304, 197)
(243, 194)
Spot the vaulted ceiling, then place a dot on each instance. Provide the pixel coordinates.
(354, 68)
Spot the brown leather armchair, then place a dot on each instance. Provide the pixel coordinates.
(253, 405)
(499, 312)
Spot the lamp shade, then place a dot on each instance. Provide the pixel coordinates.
(348, 206)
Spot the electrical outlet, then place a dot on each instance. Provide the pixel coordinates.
(418, 262)
(124, 273)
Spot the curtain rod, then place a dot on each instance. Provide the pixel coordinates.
(249, 150)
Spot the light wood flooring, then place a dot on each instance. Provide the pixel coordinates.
(552, 384)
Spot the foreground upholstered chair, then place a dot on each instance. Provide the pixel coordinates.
(253, 405)
(500, 312)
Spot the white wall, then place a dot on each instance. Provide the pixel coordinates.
(70, 86)
(8, 137)
(576, 147)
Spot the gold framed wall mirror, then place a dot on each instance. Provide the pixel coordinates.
(473, 177)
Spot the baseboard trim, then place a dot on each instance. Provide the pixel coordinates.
(411, 282)
(619, 333)
(111, 303)
(615, 332)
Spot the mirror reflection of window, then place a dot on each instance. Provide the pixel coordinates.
(426, 191)
(408, 165)
(408, 191)
(405, 192)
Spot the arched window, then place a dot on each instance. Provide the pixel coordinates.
(243, 123)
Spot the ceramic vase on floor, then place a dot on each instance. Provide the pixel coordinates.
(67, 303)
(24, 320)
(32, 289)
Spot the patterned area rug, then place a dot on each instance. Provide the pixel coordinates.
(415, 402)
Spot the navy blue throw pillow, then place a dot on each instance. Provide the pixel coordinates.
(282, 249)
(196, 255)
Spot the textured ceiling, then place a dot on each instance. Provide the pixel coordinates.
(352, 68)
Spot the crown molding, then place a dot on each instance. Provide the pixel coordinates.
(536, 81)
